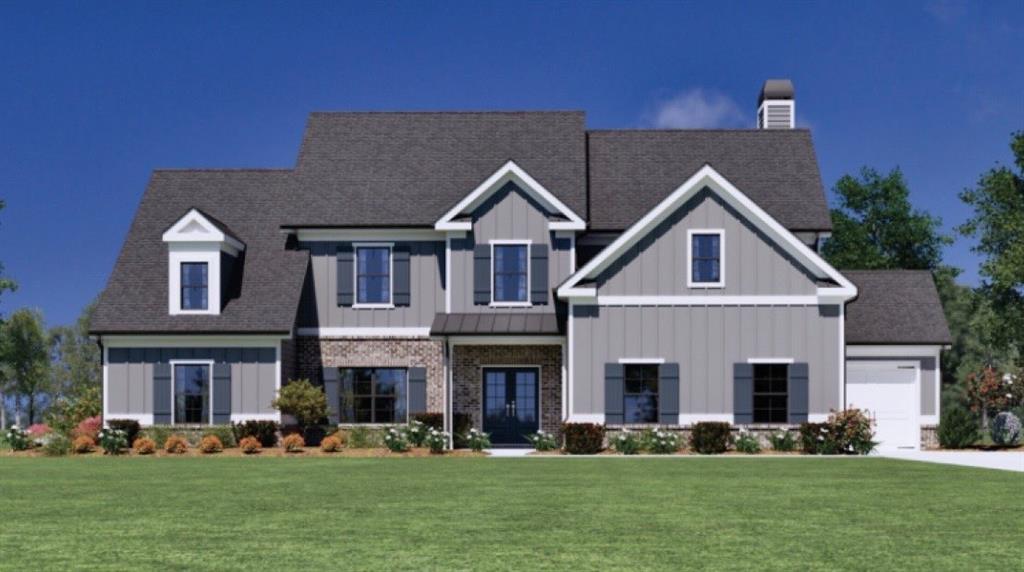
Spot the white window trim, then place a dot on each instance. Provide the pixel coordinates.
(356, 304)
(641, 361)
(528, 303)
(771, 360)
(174, 382)
(178, 254)
(721, 258)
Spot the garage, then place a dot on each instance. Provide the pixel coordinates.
(889, 391)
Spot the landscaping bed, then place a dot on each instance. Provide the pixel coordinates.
(271, 452)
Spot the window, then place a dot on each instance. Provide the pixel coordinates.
(640, 388)
(373, 395)
(373, 275)
(511, 263)
(194, 285)
(771, 393)
(192, 393)
(705, 258)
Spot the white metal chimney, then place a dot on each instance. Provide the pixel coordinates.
(776, 106)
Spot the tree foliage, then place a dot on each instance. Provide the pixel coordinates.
(24, 352)
(6, 284)
(302, 400)
(76, 357)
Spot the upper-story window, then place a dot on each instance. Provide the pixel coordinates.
(705, 255)
(195, 286)
(373, 275)
(511, 273)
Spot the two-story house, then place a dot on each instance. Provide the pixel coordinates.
(520, 269)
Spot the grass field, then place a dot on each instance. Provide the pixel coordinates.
(523, 514)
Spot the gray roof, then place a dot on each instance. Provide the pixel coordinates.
(408, 169)
(632, 170)
(495, 324)
(776, 89)
(246, 201)
(895, 307)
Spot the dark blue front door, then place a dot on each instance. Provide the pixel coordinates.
(510, 404)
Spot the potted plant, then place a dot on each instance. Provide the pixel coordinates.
(307, 404)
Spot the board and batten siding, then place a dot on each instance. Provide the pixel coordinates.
(656, 265)
(130, 377)
(319, 306)
(930, 378)
(509, 214)
(705, 341)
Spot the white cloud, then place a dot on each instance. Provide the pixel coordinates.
(698, 108)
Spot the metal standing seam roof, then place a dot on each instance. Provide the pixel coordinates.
(520, 323)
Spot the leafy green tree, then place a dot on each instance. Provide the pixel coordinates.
(76, 357)
(302, 400)
(998, 224)
(24, 351)
(6, 284)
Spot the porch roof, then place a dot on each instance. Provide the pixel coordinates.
(503, 324)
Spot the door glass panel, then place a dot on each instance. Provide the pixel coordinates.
(494, 408)
(526, 396)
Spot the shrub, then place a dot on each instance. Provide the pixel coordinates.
(626, 443)
(342, 435)
(747, 443)
(660, 442)
(710, 437)
(57, 445)
(83, 444)
(815, 439)
(360, 437)
(432, 420)
(129, 426)
(112, 440)
(543, 441)
(330, 444)
(958, 428)
(224, 433)
(38, 432)
(477, 440)
(249, 445)
(18, 438)
(293, 443)
(89, 427)
(851, 431)
(782, 440)
(302, 400)
(264, 431)
(211, 444)
(68, 411)
(583, 438)
(144, 446)
(1005, 429)
(417, 433)
(396, 441)
(176, 445)
(461, 424)
(436, 440)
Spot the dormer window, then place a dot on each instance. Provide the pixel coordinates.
(201, 255)
(705, 258)
(195, 286)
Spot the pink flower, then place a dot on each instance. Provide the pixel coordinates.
(38, 430)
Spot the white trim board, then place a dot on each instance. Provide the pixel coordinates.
(528, 303)
(771, 360)
(710, 300)
(356, 304)
(209, 382)
(185, 341)
(194, 227)
(368, 234)
(893, 351)
(641, 361)
(366, 332)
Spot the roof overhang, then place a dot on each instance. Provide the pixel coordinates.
(195, 228)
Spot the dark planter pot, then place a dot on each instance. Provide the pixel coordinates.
(313, 435)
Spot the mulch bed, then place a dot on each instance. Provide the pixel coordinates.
(275, 452)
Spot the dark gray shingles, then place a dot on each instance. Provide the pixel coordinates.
(895, 307)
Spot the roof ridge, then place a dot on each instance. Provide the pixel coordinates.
(452, 112)
(698, 130)
(223, 169)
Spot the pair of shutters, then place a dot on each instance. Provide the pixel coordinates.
(668, 393)
(482, 277)
(163, 393)
(400, 275)
(743, 393)
(334, 388)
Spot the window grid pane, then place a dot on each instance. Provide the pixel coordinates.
(194, 286)
(706, 258)
(192, 394)
(378, 395)
(373, 275)
(510, 273)
(771, 393)
(640, 393)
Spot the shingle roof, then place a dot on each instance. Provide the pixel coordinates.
(246, 201)
(895, 307)
(408, 169)
(632, 170)
(508, 324)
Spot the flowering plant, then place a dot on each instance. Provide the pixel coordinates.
(747, 442)
(112, 440)
(627, 443)
(661, 442)
(40, 433)
(543, 441)
(1005, 429)
(782, 440)
(436, 440)
(18, 438)
(416, 432)
(478, 440)
(89, 427)
(396, 440)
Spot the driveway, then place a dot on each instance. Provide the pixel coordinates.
(1006, 461)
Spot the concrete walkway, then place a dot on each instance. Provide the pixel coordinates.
(509, 452)
(982, 459)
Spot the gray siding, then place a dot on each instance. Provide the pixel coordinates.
(930, 379)
(705, 342)
(319, 306)
(130, 376)
(753, 264)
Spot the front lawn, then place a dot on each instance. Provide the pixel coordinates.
(321, 513)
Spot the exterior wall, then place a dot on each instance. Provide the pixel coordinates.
(319, 306)
(753, 264)
(509, 214)
(931, 379)
(467, 378)
(313, 354)
(705, 342)
(130, 377)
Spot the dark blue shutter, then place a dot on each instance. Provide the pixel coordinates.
(345, 275)
(613, 394)
(221, 393)
(668, 394)
(400, 295)
(539, 274)
(743, 393)
(482, 274)
(417, 390)
(161, 394)
(798, 392)
(332, 391)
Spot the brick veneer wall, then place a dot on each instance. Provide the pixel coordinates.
(312, 354)
(467, 364)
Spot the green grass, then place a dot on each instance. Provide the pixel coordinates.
(739, 513)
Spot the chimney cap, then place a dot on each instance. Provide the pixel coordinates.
(776, 89)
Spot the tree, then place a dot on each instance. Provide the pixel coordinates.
(76, 357)
(302, 400)
(875, 226)
(998, 224)
(24, 348)
(6, 284)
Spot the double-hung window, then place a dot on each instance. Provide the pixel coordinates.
(511, 273)
(640, 393)
(771, 393)
(374, 395)
(192, 393)
(705, 258)
(195, 286)
(373, 275)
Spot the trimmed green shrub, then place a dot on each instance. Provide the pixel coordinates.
(583, 438)
(18, 439)
(302, 400)
(264, 431)
(747, 443)
(431, 420)
(1005, 429)
(417, 432)
(815, 439)
(58, 445)
(396, 441)
(129, 426)
(224, 433)
(112, 440)
(462, 423)
(782, 440)
(958, 428)
(710, 437)
(543, 441)
(436, 440)
(626, 443)
(477, 440)
(660, 442)
(360, 437)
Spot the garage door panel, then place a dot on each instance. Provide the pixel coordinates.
(888, 391)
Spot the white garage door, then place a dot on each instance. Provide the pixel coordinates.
(889, 391)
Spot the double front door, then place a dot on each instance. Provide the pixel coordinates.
(510, 404)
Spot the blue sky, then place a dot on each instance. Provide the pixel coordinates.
(97, 95)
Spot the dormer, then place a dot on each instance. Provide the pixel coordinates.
(203, 257)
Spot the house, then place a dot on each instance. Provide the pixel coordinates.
(519, 269)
